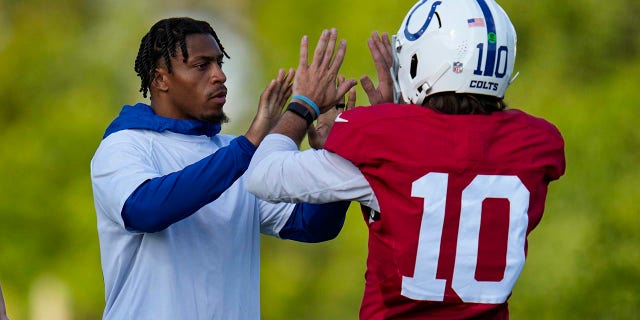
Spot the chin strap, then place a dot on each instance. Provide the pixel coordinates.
(431, 81)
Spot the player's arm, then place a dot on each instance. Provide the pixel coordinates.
(279, 172)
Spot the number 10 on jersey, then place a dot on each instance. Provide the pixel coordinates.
(433, 189)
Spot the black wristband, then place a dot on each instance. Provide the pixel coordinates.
(301, 111)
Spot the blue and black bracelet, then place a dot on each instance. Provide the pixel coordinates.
(301, 111)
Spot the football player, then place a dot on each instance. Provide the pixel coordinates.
(451, 181)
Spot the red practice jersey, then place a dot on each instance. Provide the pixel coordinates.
(458, 196)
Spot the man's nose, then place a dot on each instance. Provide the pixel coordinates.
(217, 75)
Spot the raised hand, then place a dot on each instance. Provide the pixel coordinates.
(318, 134)
(317, 81)
(382, 54)
(272, 100)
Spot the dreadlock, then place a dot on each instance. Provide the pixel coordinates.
(162, 42)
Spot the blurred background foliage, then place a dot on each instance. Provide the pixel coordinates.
(67, 68)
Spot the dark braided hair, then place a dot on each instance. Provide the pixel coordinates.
(162, 42)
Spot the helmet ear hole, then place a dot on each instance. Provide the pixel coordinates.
(413, 71)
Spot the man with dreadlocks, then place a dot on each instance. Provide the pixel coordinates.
(179, 234)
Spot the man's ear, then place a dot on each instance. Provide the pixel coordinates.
(159, 79)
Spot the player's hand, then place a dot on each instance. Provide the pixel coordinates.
(318, 133)
(317, 81)
(382, 54)
(272, 100)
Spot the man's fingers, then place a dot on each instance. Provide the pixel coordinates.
(383, 47)
(290, 76)
(280, 75)
(367, 85)
(341, 103)
(339, 58)
(379, 54)
(344, 87)
(331, 45)
(286, 93)
(304, 52)
(317, 80)
(266, 96)
(373, 94)
(318, 54)
(279, 87)
(378, 60)
(341, 80)
(351, 99)
(286, 85)
(388, 50)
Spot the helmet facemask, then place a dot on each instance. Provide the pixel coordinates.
(394, 69)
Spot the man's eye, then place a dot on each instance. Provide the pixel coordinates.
(202, 66)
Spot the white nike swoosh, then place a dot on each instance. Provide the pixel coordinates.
(340, 119)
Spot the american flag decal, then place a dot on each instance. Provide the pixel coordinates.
(476, 22)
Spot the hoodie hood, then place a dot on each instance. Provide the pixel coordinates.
(141, 116)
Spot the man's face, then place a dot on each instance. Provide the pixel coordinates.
(195, 89)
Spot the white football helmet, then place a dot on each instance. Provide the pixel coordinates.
(464, 46)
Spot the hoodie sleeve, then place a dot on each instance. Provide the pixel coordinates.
(162, 201)
(315, 222)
